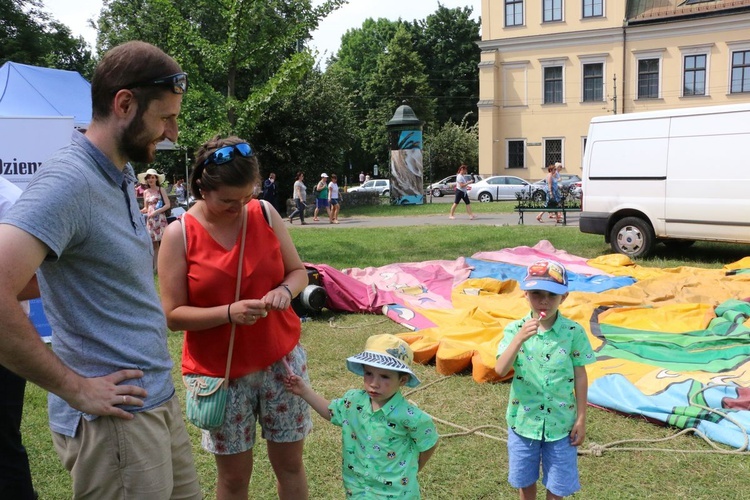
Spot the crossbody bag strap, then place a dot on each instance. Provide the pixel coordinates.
(236, 293)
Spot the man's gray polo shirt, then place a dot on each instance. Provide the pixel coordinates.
(97, 284)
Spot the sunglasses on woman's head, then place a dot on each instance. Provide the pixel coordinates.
(226, 154)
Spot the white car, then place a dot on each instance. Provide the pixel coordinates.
(380, 186)
(499, 187)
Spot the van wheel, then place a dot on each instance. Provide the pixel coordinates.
(633, 237)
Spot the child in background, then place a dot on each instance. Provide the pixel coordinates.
(547, 411)
(386, 440)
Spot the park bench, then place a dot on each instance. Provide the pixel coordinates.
(526, 202)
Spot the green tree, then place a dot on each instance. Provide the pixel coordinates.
(316, 134)
(28, 35)
(400, 77)
(243, 56)
(450, 146)
(446, 44)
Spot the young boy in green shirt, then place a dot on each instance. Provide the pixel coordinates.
(386, 440)
(547, 411)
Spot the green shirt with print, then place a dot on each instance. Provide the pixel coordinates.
(542, 397)
(380, 457)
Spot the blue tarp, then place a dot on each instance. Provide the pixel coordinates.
(34, 91)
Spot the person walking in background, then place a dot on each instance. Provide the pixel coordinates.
(367, 177)
(547, 414)
(198, 277)
(180, 192)
(333, 200)
(553, 193)
(462, 192)
(558, 181)
(155, 204)
(15, 473)
(361, 177)
(116, 423)
(299, 195)
(386, 440)
(269, 190)
(321, 196)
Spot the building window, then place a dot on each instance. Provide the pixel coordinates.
(593, 8)
(552, 10)
(740, 71)
(516, 154)
(695, 75)
(553, 151)
(593, 82)
(553, 84)
(648, 78)
(513, 12)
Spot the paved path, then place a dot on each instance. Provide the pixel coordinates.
(434, 220)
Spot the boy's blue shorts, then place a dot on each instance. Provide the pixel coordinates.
(559, 460)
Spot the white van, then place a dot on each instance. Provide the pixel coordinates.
(675, 176)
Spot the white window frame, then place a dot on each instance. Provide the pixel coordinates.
(696, 50)
(505, 15)
(544, 150)
(507, 154)
(649, 54)
(550, 63)
(603, 14)
(594, 59)
(734, 47)
(562, 12)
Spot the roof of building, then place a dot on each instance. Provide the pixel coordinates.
(643, 10)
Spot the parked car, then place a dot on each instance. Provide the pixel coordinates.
(499, 187)
(447, 185)
(539, 188)
(381, 186)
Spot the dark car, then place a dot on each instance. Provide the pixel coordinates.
(539, 188)
(447, 185)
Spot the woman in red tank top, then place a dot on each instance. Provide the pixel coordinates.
(198, 275)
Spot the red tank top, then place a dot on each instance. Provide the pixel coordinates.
(211, 281)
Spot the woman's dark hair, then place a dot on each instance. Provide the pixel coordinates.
(463, 165)
(298, 175)
(238, 172)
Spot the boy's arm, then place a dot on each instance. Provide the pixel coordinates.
(505, 361)
(425, 456)
(296, 385)
(578, 433)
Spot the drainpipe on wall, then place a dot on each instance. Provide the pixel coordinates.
(624, 53)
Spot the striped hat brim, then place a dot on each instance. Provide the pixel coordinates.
(380, 360)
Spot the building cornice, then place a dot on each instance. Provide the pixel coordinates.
(667, 28)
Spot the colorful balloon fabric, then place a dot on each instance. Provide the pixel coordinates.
(672, 345)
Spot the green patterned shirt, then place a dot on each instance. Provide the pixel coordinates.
(542, 397)
(381, 448)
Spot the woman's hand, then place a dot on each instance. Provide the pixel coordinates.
(247, 312)
(278, 299)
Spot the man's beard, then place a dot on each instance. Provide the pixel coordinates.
(134, 144)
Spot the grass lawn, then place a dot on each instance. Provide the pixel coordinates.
(468, 466)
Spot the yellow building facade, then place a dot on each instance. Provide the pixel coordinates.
(548, 66)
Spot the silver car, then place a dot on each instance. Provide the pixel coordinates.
(380, 186)
(446, 186)
(499, 187)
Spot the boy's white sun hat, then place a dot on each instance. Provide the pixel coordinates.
(385, 351)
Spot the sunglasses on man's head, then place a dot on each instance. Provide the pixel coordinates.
(177, 83)
(226, 154)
